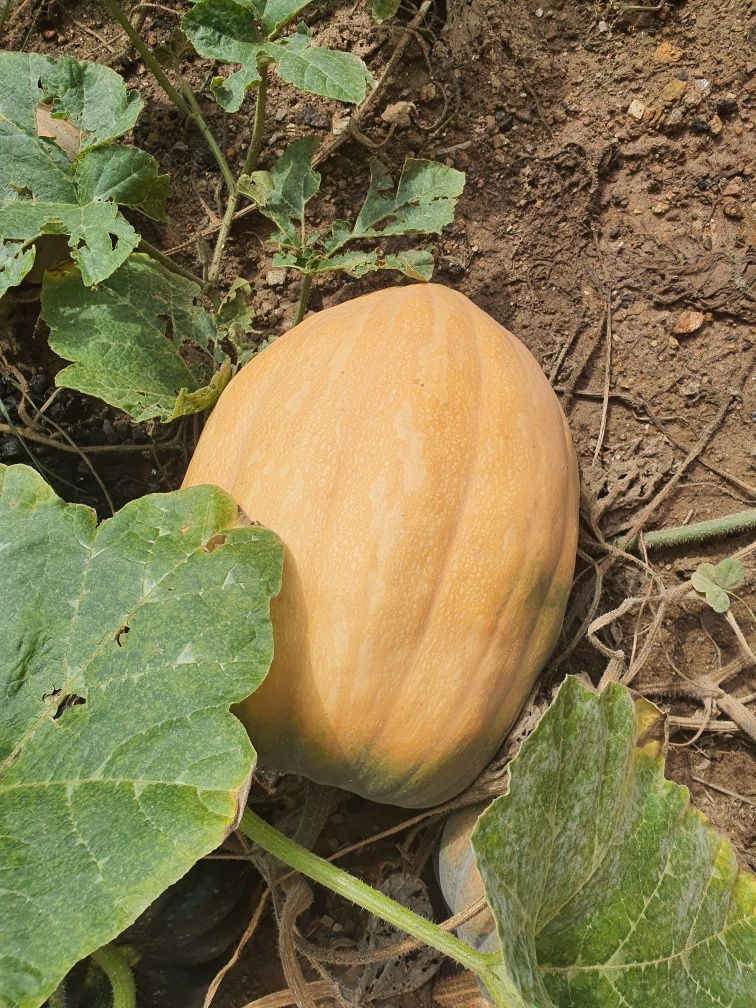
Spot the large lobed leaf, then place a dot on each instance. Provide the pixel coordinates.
(608, 889)
(60, 173)
(242, 32)
(283, 192)
(423, 202)
(125, 338)
(121, 649)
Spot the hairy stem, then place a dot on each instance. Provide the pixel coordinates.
(258, 126)
(250, 163)
(196, 114)
(304, 298)
(164, 260)
(115, 966)
(184, 99)
(319, 800)
(339, 881)
(118, 14)
(681, 535)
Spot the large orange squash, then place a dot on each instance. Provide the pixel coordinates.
(414, 460)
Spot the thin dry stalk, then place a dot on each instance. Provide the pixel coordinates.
(317, 990)
(607, 382)
(690, 458)
(723, 790)
(248, 932)
(341, 957)
(298, 899)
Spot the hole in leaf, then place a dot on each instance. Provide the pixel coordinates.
(167, 321)
(70, 700)
(214, 541)
(63, 702)
(121, 633)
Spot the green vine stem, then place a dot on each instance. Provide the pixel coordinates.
(164, 260)
(699, 532)
(319, 800)
(304, 298)
(184, 100)
(487, 966)
(116, 968)
(250, 163)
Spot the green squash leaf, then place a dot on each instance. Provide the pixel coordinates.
(126, 175)
(236, 317)
(319, 71)
(282, 193)
(223, 30)
(237, 31)
(416, 265)
(59, 173)
(122, 648)
(716, 583)
(202, 398)
(423, 202)
(15, 262)
(226, 30)
(117, 336)
(94, 97)
(276, 14)
(608, 889)
(99, 237)
(229, 91)
(271, 15)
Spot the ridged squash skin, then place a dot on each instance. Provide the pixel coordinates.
(414, 460)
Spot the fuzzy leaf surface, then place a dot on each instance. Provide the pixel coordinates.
(320, 71)
(59, 171)
(608, 889)
(276, 14)
(225, 30)
(94, 97)
(118, 337)
(100, 238)
(127, 176)
(423, 202)
(283, 192)
(122, 648)
(236, 31)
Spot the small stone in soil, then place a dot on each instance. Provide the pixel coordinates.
(399, 114)
(732, 208)
(687, 322)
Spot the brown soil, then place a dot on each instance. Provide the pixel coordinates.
(609, 220)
